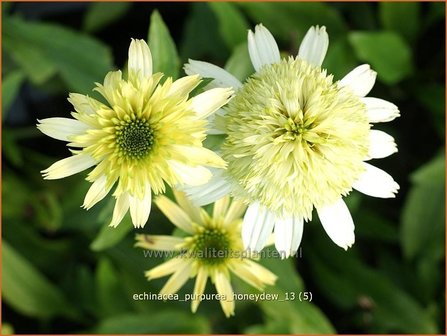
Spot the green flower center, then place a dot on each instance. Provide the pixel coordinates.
(211, 246)
(135, 138)
(295, 139)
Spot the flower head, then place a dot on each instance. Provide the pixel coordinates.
(296, 140)
(147, 134)
(212, 249)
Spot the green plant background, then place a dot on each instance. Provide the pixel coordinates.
(65, 271)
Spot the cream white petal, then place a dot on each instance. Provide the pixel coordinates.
(174, 213)
(261, 272)
(184, 85)
(194, 212)
(380, 110)
(243, 271)
(188, 175)
(166, 268)
(83, 103)
(96, 192)
(314, 46)
(199, 288)
(199, 155)
(120, 209)
(140, 208)
(178, 279)
(288, 234)
(222, 78)
(61, 128)
(158, 243)
(338, 224)
(360, 80)
(140, 59)
(68, 166)
(221, 207)
(381, 144)
(376, 182)
(235, 211)
(223, 287)
(210, 101)
(217, 187)
(257, 226)
(262, 47)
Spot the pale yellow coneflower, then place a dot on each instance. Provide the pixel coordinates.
(296, 140)
(147, 134)
(212, 249)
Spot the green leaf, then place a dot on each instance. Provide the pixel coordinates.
(164, 53)
(110, 236)
(10, 88)
(101, 14)
(11, 149)
(239, 64)
(423, 215)
(391, 16)
(387, 53)
(165, 322)
(232, 24)
(291, 20)
(28, 291)
(41, 49)
(432, 98)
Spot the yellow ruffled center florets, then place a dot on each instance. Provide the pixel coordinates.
(295, 139)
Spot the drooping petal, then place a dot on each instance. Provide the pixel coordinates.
(199, 288)
(96, 192)
(217, 187)
(338, 224)
(377, 183)
(193, 211)
(222, 78)
(210, 101)
(174, 213)
(120, 209)
(223, 287)
(381, 144)
(257, 226)
(140, 208)
(262, 47)
(380, 110)
(220, 207)
(61, 128)
(288, 234)
(248, 272)
(178, 279)
(193, 176)
(68, 166)
(140, 59)
(164, 269)
(314, 46)
(360, 80)
(235, 211)
(158, 243)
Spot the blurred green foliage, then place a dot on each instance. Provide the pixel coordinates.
(65, 271)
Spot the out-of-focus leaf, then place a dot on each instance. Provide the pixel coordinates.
(371, 225)
(10, 148)
(41, 49)
(432, 96)
(423, 215)
(11, 85)
(387, 53)
(7, 329)
(167, 322)
(239, 64)
(101, 14)
(164, 53)
(48, 210)
(110, 236)
(28, 291)
(109, 292)
(291, 20)
(347, 282)
(339, 59)
(232, 24)
(392, 16)
(436, 12)
(201, 38)
(15, 195)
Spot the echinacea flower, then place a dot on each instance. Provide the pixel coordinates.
(212, 249)
(147, 134)
(296, 140)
